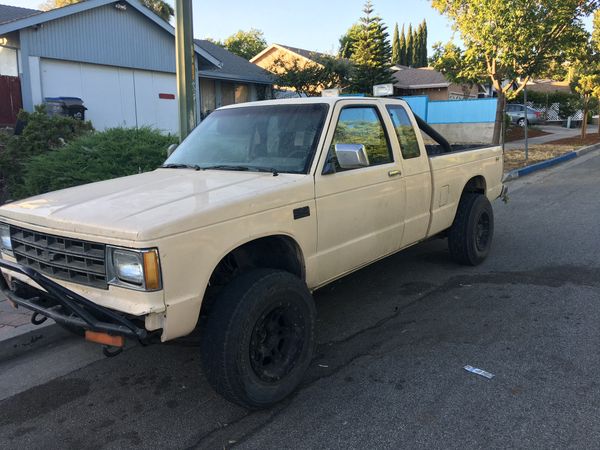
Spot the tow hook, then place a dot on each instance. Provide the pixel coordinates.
(38, 319)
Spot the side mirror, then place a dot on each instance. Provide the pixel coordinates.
(170, 149)
(351, 156)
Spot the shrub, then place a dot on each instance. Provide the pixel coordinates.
(42, 133)
(98, 156)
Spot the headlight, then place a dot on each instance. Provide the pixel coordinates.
(134, 269)
(5, 242)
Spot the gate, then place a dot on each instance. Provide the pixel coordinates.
(10, 100)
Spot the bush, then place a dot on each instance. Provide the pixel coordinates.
(98, 156)
(42, 133)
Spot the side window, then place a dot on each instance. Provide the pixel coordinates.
(362, 125)
(405, 132)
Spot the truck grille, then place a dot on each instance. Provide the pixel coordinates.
(66, 259)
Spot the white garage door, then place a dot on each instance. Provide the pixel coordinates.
(115, 97)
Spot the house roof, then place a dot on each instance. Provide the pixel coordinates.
(10, 13)
(421, 78)
(59, 13)
(308, 54)
(233, 66)
(549, 86)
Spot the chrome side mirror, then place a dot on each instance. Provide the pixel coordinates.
(170, 149)
(351, 156)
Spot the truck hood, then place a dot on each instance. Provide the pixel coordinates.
(152, 205)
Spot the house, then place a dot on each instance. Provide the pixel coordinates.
(427, 81)
(119, 58)
(289, 57)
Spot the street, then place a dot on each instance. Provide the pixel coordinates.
(393, 341)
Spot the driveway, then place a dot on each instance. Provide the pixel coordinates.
(393, 340)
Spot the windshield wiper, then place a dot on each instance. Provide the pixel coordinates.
(242, 168)
(181, 166)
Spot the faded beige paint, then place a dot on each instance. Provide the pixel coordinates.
(195, 218)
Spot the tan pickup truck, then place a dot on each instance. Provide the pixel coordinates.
(262, 204)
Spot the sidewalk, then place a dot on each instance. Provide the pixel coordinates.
(556, 132)
(11, 318)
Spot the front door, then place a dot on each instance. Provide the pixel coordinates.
(360, 211)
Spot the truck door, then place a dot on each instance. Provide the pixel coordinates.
(360, 211)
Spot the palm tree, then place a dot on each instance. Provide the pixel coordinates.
(160, 8)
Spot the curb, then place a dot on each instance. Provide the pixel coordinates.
(516, 173)
(29, 337)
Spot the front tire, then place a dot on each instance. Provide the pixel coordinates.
(470, 237)
(521, 122)
(259, 338)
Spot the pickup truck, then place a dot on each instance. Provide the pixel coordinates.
(259, 206)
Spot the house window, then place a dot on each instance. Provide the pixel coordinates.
(227, 93)
(207, 94)
(242, 93)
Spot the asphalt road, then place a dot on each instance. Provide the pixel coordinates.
(393, 340)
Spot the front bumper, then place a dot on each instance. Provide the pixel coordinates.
(66, 307)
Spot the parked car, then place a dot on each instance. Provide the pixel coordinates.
(262, 204)
(516, 112)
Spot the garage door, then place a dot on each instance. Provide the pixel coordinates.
(115, 97)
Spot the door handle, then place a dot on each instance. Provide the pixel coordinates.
(394, 173)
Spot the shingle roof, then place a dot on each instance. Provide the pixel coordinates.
(419, 78)
(234, 66)
(10, 13)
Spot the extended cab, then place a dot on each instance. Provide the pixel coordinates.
(262, 204)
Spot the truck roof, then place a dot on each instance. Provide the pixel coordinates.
(313, 100)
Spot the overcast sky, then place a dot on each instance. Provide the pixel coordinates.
(309, 24)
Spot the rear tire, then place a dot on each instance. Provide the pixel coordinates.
(259, 338)
(470, 237)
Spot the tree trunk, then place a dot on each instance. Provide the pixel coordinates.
(585, 118)
(599, 117)
(499, 118)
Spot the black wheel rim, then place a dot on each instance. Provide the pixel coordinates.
(482, 237)
(276, 343)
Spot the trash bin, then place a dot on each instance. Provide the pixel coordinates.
(65, 106)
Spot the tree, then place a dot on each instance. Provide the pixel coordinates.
(348, 41)
(410, 47)
(587, 86)
(246, 44)
(449, 60)
(372, 52)
(396, 46)
(424, 58)
(511, 41)
(311, 78)
(403, 48)
(160, 7)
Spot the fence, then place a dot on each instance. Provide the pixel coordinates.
(481, 110)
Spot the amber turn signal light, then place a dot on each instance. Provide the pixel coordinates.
(104, 338)
(151, 270)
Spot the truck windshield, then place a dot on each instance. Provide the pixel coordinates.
(277, 138)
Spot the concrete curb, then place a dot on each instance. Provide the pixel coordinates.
(29, 337)
(514, 174)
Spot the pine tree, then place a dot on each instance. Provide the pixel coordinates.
(403, 47)
(372, 52)
(410, 46)
(424, 59)
(396, 46)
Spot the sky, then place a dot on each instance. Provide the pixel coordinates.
(310, 24)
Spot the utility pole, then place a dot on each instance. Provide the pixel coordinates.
(526, 123)
(184, 45)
